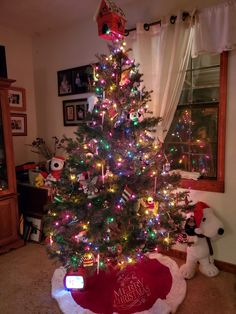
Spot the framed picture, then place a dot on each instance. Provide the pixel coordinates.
(75, 81)
(82, 79)
(17, 99)
(34, 228)
(74, 111)
(64, 79)
(19, 124)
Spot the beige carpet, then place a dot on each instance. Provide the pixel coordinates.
(25, 286)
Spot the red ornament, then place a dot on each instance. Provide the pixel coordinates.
(112, 113)
(110, 19)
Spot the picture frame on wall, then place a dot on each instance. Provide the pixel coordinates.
(74, 81)
(18, 124)
(74, 111)
(82, 79)
(17, 99)
(64, 79)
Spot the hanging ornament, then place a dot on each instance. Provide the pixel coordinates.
(126, 195)
(108, 172)
(166, 167)
(92, 101)
(89, 187)
(83, 178)
(58, 198)
(107, 236)
(88, 259)
(135, 116)
(81, 236)
(150, 205)
(110, 19)
(112, 113)
(119, 249)
(93, 146)
(125, 77)
(89, 156)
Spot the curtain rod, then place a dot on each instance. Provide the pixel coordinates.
(146, 26)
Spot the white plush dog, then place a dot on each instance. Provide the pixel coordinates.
(200, 229)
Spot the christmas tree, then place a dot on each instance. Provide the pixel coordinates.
(116, 199)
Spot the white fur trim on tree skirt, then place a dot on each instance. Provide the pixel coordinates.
(174, 298)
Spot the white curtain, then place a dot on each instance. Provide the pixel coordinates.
(215, 29)
(163, 54)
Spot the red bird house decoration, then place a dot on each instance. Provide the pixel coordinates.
(110, 19)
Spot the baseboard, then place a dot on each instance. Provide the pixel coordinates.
(230, 268)
(224, 266)
(13, 245)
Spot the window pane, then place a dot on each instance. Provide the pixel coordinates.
(206, 77)
(180, 130)
(205, 61)
(208, 95)
(191, 142)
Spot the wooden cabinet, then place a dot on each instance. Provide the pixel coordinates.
(9, 219)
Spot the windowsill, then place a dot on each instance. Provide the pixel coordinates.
(203, 185)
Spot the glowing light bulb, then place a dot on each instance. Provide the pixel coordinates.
(50, 238)
(85, 227)
(167, 240)
(72, 177)
(130, 260)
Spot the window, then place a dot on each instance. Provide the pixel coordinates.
(195, 142)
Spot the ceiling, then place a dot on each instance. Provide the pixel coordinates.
(39, 16)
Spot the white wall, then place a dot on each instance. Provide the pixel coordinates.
(75, 46)
(20, 67)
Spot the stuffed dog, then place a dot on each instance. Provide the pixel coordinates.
(201, 228)
(56, 166)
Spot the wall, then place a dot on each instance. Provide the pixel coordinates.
(20, 67)
(58, 51)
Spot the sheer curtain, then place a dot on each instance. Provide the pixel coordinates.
(215, 29)
(163, 54)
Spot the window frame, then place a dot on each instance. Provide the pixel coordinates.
(218, 184)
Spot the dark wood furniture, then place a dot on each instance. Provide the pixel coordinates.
(9, 219)
(32, 200)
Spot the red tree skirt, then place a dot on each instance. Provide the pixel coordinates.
(153, 284)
